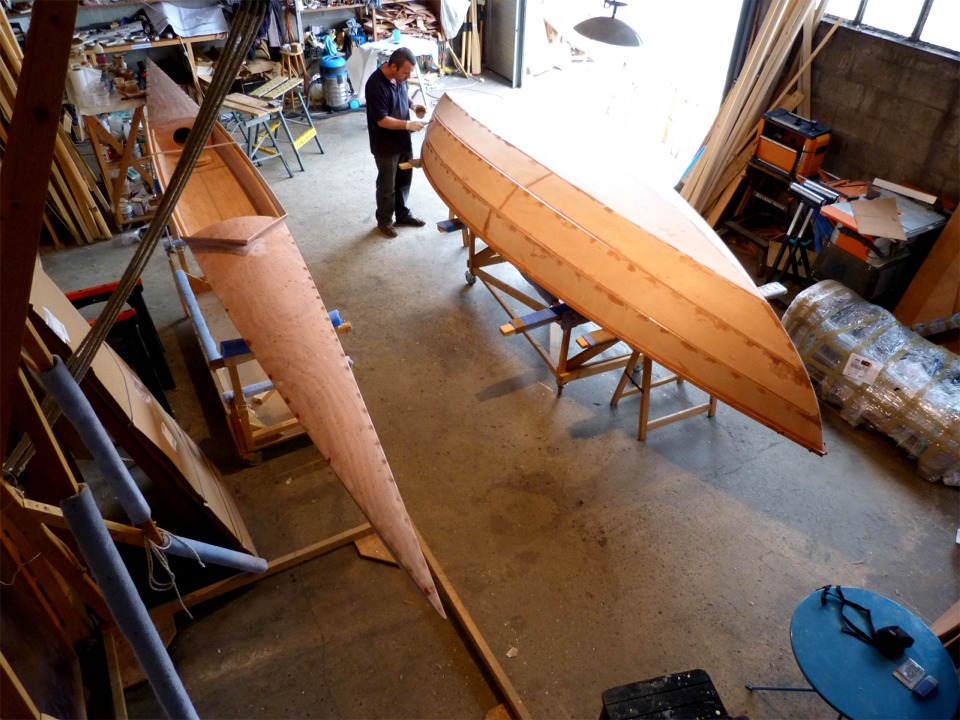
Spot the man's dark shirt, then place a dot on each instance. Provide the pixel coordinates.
(386, 99)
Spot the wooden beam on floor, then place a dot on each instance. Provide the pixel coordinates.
(451, 600)
(282, 563)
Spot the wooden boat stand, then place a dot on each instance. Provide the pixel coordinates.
(565, 367)
(647, 383)
(241, 383)
(29, 522)
(587, 361)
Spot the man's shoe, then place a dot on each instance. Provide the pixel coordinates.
(411, 221)
(387, 230)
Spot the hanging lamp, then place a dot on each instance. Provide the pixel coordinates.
(609, 30)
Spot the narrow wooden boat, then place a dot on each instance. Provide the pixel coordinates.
(634, 259)
(235, 228)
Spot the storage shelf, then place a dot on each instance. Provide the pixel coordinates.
(353, 5)
(162, 43)
(101, 6)
(333, 7)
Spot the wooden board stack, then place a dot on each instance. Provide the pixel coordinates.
(75, 205)
(712, 181)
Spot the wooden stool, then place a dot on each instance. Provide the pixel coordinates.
(293, 66)
(648, 384)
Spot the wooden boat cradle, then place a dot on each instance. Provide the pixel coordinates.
(257, 416)
(564, 367)
(593, 358)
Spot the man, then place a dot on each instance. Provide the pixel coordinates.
(388, 110)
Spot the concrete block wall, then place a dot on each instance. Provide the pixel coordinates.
(894, 111)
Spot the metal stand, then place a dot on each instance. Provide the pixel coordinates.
(812, 196)
(783, 688)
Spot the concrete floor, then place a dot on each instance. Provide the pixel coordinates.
(601, 559)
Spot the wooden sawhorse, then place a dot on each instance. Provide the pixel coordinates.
(647, 383)
(566, 368)
(114, 172)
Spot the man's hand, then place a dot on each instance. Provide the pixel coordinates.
(414, 126)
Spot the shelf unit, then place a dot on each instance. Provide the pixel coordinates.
(352, 6)
(333, 7)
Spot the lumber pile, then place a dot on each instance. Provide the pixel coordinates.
(714, 178)
(74, 205)
(410, 18)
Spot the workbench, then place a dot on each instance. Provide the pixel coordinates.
(877, 269)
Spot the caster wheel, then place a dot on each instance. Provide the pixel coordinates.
(470, 278)
(255, 459)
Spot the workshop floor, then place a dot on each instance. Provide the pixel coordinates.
(594, 559)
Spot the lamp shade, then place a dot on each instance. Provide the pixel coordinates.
(609, 30)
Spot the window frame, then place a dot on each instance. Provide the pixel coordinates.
(913, 40)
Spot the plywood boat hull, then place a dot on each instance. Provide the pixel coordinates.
(637, 261)
(235, 228)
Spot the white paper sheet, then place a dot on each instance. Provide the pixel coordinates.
(185, 21)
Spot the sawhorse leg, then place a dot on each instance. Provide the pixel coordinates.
(254, 147)
(309, 119)
(646, 385)
(293, 143)
(791, 246)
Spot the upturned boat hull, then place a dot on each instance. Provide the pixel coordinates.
(637, 261)
(235, 228)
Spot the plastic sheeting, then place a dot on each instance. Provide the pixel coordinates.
(452, 14)
(877, 372)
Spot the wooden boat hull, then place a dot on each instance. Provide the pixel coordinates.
(637, 261)
(235, 228)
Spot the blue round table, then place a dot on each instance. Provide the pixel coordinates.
(853, 677)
